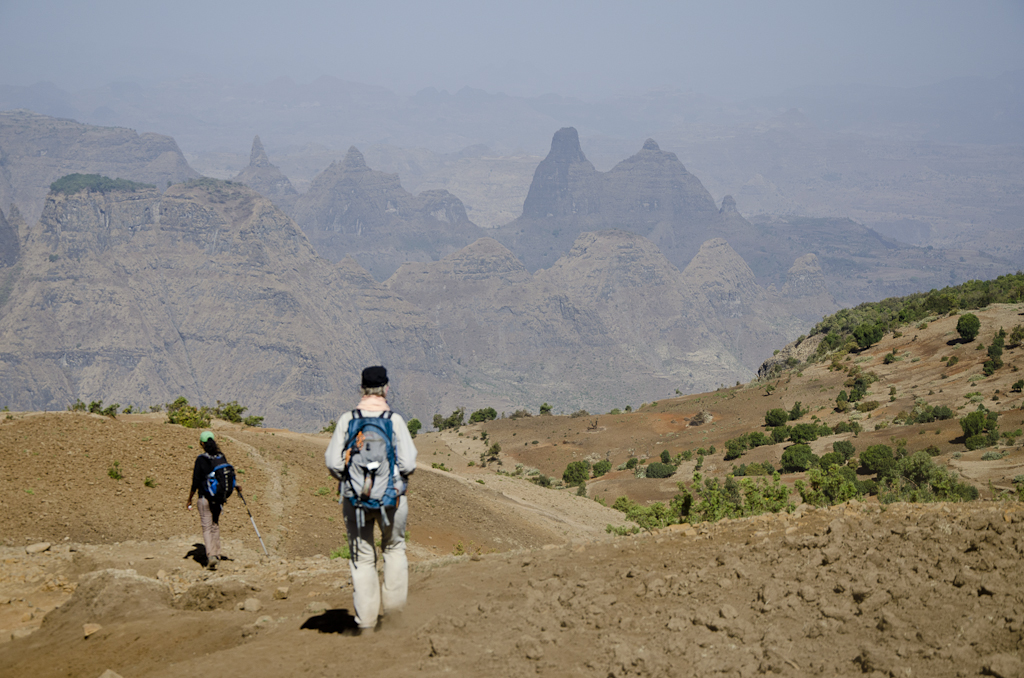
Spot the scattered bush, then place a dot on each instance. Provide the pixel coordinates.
(180, 412)
(968, 326)
(254, 421)
(797, 458)
(576, 472)
(452, 421)
(414, 426)
(486, 414)
(330, 427)
(834, 485)
(602, 467)
(97, 183)
(917, 478)
(545, 410)
(878, 459)
(114, 471)
(660, 470)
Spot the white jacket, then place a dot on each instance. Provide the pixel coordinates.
(405, 449)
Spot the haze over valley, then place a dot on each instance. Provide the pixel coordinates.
(665, 227)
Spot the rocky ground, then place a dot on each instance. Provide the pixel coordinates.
(103, 573)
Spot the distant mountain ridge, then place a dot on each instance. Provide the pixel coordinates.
(211, 292)
(37, 150)
(352, 210)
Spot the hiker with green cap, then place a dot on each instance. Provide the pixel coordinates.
(372, 455)
(214, 479)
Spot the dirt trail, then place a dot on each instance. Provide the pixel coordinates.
(929, 590)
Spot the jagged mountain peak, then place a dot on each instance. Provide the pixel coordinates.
(651, 145)
(354, 161)
(723, 274)
(728, 205)
(565, 146)
(258, 156)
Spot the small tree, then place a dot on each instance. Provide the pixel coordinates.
(602, 467)
(968, 326)
(776, 417)
(878, 459)
(868, 334)
(798, 458)
(545, 410)
(659, 470)
(414, 427)
(665, 457)
(486, 414)
(576, 472)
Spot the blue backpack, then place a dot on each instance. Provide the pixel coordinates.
(370, 462)
(220, 482)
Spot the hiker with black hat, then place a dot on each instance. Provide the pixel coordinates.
(372, 455)
(210, 470)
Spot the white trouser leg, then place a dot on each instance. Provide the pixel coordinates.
(366, 590)
(396, 565)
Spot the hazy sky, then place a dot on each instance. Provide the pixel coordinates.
(585, 49)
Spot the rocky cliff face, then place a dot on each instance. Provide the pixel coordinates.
(610, 323)
(650, 193)
(10, 245)
(36, 150)
(351, 210)
(267, 179)
(209, 292)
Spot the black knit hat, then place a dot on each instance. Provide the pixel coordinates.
(375, 377)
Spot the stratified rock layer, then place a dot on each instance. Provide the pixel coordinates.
(267, 179)
(352, 210)
(37, 150)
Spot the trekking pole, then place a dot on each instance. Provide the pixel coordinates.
(253, 521)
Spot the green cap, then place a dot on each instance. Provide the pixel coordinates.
(205, 435)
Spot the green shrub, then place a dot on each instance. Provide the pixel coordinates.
(844, 448)
(749, 497)
(485, 414)
(776, 417)
(229, 411)
(968, 326)
(878, 459)
(545, 410)
(340, 552)
(632, 462)
(917, 478)
(659, 470)
(602, 467)
(831, 486)
(331, 426)
(798, 458)
(97, 183)
(576, 472)
(804, 433)
(993, 456)
(180, 412)
(977, 442)
(414, 426)
(867, 334)
(254, 421)
(114, 471)
(780, 434)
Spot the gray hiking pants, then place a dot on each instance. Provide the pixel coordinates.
(366, 589)
(209, 518)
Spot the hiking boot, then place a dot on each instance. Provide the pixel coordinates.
(212, 562)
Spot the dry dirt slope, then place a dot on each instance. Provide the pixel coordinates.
(936, 590)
